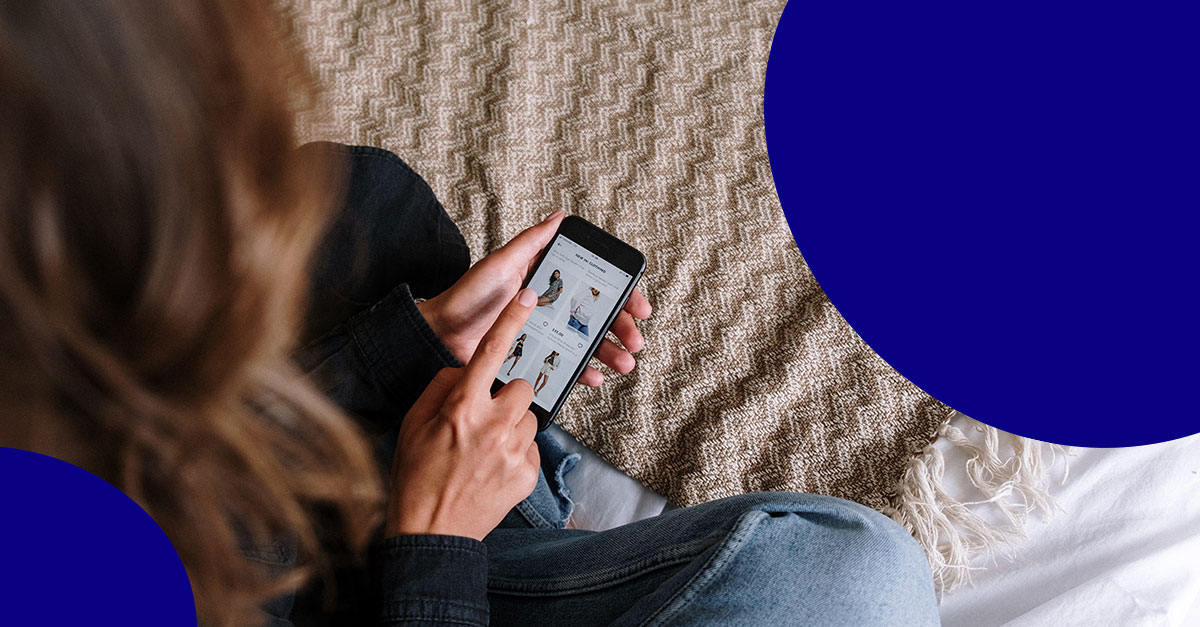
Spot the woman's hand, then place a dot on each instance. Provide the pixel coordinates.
(464, 457)
(462, 314)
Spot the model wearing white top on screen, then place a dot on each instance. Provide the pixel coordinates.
(548, 366)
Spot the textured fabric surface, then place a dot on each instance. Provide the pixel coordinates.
(645, 118)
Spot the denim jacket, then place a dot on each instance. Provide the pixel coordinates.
(368, 348)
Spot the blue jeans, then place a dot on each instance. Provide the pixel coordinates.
(770, 558)
(575, 323)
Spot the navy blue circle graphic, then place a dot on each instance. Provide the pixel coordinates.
(77, 551)
(1001, 199)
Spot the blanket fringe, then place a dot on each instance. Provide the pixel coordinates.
(1013, 482)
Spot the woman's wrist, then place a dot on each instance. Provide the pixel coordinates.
(408, 525)
(428, 310)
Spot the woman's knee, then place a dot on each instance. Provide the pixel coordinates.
(859, 532)
(788, 558)
(849, 555)
(862, 563)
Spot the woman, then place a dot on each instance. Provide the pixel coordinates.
(553, 292)
(158, 236)
(548, 366)
(516, 352)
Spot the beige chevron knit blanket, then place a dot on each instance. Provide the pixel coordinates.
(646, 118)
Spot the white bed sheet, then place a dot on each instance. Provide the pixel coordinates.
(1124, 551)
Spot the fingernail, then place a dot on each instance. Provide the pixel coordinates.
(527, 297)
(551, 216)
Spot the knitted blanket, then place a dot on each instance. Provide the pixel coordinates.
(646, 118)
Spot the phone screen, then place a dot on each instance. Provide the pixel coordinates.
(577, 293)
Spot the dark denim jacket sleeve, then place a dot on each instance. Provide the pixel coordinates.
(375, 366)
(398, 346)
(433, 580)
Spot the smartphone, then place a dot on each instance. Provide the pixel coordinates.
(582, 279)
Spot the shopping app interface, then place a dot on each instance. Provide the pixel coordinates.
(577, 291)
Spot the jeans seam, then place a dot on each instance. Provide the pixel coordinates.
(533, 516)
(597, 580)
(728, 548)
(607, 583)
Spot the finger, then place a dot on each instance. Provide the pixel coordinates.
(591, 377)
(615, 357)
(525, 247)
(638, 306)
(626, 330)
(489, 355)
(516, 395)
(435, 393)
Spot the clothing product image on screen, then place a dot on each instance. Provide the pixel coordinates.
(548, 366)
(583, 305)
(553, 291)
(578, 293)
(516, 352)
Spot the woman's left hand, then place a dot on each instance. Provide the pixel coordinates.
(462, 314)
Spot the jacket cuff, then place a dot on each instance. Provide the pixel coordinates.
(433, 579)
(398, 346)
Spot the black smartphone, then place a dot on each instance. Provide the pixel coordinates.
(582, 279)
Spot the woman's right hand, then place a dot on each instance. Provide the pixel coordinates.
(464, 457)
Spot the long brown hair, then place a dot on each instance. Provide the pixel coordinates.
(155, 227)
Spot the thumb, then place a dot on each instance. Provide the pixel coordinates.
(525, 247)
